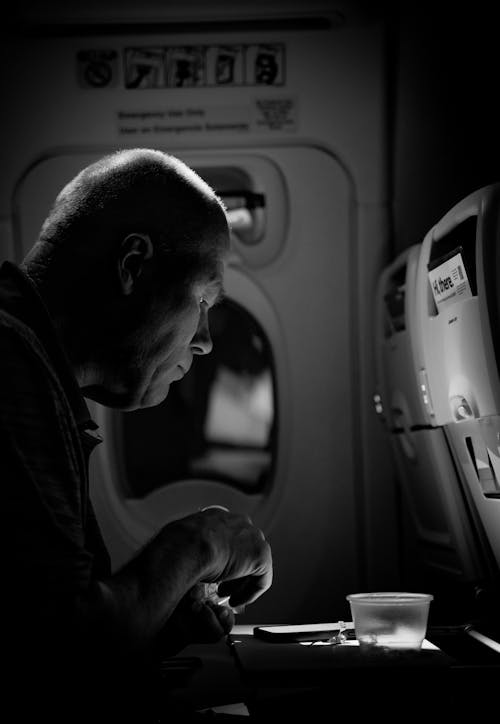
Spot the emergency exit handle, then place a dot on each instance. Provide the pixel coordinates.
(244, 197)
(246, 214)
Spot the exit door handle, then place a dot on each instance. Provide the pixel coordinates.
(246, 214)
(244, 197)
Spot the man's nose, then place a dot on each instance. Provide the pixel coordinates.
(202, 341)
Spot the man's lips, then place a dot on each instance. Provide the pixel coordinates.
(183, 369)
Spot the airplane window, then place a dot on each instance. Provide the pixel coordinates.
(217, 423)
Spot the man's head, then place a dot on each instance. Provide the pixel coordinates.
(129, 261)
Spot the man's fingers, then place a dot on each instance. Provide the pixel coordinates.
(242, 591)
(213, 622)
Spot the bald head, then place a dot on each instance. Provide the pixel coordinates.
(131, 191)
(130, 244)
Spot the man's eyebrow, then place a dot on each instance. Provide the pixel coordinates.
(215, 287)
(221, 292)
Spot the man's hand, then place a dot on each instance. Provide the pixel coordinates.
(197, 619)
(233, 552)
(161, 588)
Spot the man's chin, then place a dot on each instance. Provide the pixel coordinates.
(128, 401)
(154, 396)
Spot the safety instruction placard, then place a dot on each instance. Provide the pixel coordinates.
(278, 114)
(449, 282)
(204, 66)
(97, 68)
(157, 67)
(181, 120)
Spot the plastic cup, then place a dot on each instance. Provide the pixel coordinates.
(390, 620)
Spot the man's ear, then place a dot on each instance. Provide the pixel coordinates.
(135, 250)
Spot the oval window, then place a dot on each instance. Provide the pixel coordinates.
(217, 423)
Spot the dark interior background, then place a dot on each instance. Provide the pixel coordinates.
(443, 70)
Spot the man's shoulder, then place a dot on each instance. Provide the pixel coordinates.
(25, 365)
(18, 340)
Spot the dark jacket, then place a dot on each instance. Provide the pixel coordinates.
(59, 666)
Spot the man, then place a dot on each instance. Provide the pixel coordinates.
(111, 304)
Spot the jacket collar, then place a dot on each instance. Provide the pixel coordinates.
(20, 297)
